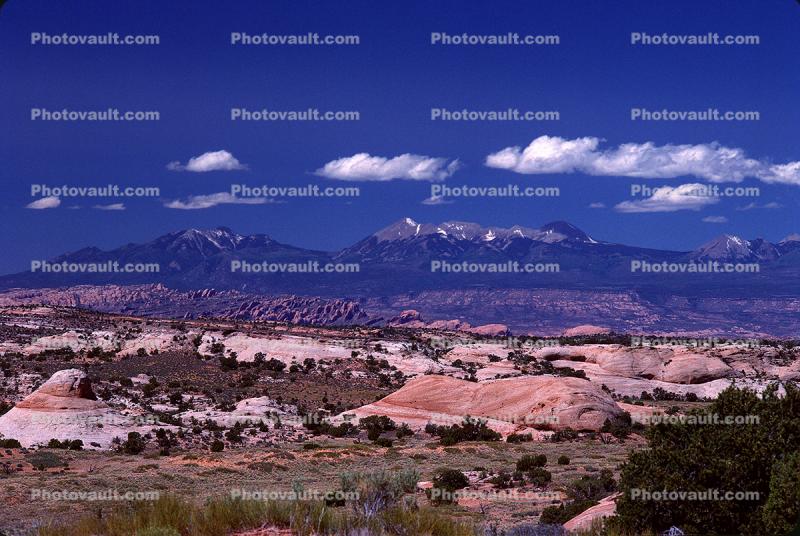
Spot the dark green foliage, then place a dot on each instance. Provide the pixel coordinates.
(471, 430)
(375, 425)
(539, 477)
(519, 438)
(67, 444)
(563, 460)
(528, 462)
(726, 457)
(217, 446)
(134, 444)
(558, 515)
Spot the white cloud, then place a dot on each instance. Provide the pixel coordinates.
(766, 206)
(210, 161)
(597, 205)
(670, 199)
(113, 206)
(711, 161)
(364, 167)
(45, 202)
(715, 219)
(195, 202)
(436, 200)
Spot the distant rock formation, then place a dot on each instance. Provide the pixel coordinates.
(161, 302)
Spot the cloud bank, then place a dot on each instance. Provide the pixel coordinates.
(45, 202)
(364, 167)
(711, 161)
(196, 202)
(210, 161)
(670, 199)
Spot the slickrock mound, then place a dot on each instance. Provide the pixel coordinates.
(64, 407)
(605, 508)
(671, 364)
(491, 330)
(542, 402)
(584, 330)
(255, 410)
(411, 318)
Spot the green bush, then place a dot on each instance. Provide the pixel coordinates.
(528, 462)
(134, 444)
(217, 446)
(445, 483)
(729, 457)
(539, 477)
(563, 460)
(470, 430)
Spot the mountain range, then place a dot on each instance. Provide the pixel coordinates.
(398, 258)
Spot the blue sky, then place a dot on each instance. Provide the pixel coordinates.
(393, 78)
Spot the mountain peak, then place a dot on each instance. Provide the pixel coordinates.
(557, 231)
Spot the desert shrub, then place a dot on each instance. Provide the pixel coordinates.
(528, 462)
(379, 490)
(384, 442)
(375, 425)
(539, 477)
(558, 515)
(445, 482)
(67, 444)
(519, 438)
(275, 365)
(217, 446)
(134, 444)
(566, 434)
(502, 480)
(471, 430)
(731, 457)
(10, 444)
(563, 460)
(621, 426)
(782, 510)
(592, 487)
(404, 431)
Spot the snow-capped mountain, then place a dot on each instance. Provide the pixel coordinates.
(398, 258)
(733, 248)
